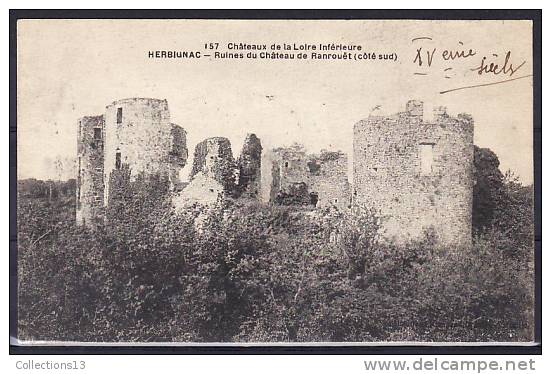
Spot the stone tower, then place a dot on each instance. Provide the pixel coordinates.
(417, 175)
(90, 146)
(140, 137)
(249, 165)
(134, 136)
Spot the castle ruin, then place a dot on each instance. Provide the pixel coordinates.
(90, 186)
(133, 135)
(249, 165)
(308, 179)
(415, 173)
(213, 174)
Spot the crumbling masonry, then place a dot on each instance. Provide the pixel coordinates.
(135, 139)
(216, 174)
(416, 174)
(90, 187)
(249, 165)
(213, 175)
(308, 179)
(134, 135)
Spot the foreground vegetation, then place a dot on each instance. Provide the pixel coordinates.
(248, 272)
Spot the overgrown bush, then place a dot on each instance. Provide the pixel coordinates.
(244, 271)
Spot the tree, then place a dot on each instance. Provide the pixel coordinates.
(502, 205)
(488, 189)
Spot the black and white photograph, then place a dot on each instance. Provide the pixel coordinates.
(275, 182)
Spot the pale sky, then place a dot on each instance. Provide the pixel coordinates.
(71, 68)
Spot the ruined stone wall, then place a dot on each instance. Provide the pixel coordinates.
(202, 190)
(178, 154)
(213, 175)
(328, 178)
(249, 165)
(411, 197)
(213, 157)
(289, 169)
(325, 177)
(139, 135)
(90, 184)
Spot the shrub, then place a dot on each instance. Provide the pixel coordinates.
(246, 271)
